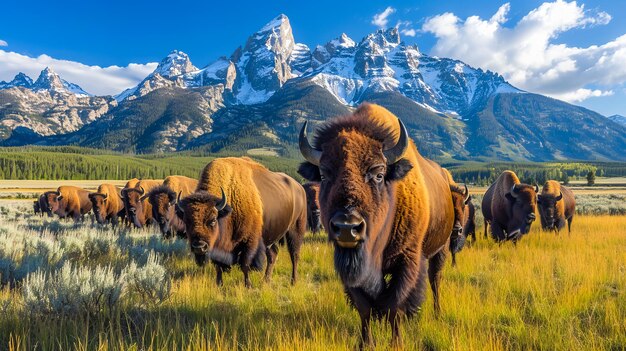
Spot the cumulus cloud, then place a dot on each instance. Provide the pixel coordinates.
(409, 32)
(526, 53)
(96, 80)
(3, 43)
(380, 20)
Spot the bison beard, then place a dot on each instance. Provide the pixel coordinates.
(356, 270)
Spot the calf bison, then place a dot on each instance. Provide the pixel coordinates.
(387, 211)
(509, 207)
(136, 204)
(557, 205)
(37, 208)
(313, 207)
(71, 202)
(263, 207)
(163, 198)
(107, 204)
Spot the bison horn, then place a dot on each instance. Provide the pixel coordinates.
(106, 196)
(142, 191)
(220, 205)
(58, 193)
(466, 193)
(310, 153)
(394, 154)
(536, 188)
(178, 197)
(123, 193)
(558, 198)
(513, 191)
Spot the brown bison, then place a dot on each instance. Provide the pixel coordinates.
(557, 205)
(313, 206)
(386, 209)
(46, 201)
(163, 198)
(129, 184)
(107, 204)
(136, 203)
(263, 207)
(71, 202)
(509, 207)
(464, 224)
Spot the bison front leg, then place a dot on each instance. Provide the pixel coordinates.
(294, 241)
(364, 306)
(271, 252)
(435, 267)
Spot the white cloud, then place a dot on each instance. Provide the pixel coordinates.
(380, 20)
(409, 32)
(526, 53)
(3, 43)
(96, 80)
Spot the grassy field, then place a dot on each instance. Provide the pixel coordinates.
(548, 293)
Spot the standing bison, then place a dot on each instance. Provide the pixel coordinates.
(163, 198)
(464, 224)
(386, 209)
(509, 207)
(71, 202)
(136, 204)
(313, 207)
(557, 205)
(37, 208)
(263, 207)
(107, 204)
(45, 202)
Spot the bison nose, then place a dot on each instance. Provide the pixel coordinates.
(199, 246)
(531, 218)
(347, 229)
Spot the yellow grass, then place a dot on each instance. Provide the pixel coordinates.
(545, 293)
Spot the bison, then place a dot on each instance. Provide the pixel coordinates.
(71, 202)
(136, 204)
(509, 207)
(464, 224)
(387, 211)
(45, 202)
(107, 204)
(162, 200)
(264, 207)
(313, 207)
(37, 208)
(557, 205)
(129, 184)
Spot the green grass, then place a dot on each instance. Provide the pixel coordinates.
(546, 293)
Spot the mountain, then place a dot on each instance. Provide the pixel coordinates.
(259, 96)
(47, 106)
(619, 119)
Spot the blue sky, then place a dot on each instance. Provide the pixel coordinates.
(118, 33)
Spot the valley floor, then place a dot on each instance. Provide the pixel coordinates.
(547, 293)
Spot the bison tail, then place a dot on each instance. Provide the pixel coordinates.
(416, 297)
(258, 262)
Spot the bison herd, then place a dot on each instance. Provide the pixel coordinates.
(391, 214)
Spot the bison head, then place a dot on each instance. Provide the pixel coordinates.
(313, 207)
(99, 205)
(163, 199)
(357, 163)
(460, 198)
(36, 207)
(133, 202)
(203, 215)
(522, 206)
(548, 209)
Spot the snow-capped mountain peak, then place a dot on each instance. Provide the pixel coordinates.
(48, 81)
(20, 80)
(175, 64)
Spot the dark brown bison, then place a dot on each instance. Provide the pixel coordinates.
(71, 202)
(557, 205)
(136, 202)
(163, 198)
(313, 207)
(37, 208)
(386, 209)
(263, 208)
(509, 207)
(129, 184)
(46, 201)
(107, 204)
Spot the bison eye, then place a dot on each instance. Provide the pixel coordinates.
(212, 223)
(379, 177)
